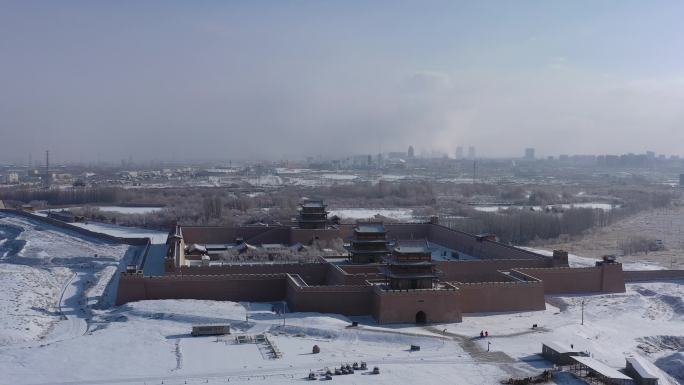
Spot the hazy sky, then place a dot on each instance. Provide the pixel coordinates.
(257, 79)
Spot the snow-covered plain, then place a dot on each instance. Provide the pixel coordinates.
(124, 231)
(148, 342)
(43, 269)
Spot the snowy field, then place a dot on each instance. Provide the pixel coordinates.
(124, 231)
(45, 272)
(148, 342)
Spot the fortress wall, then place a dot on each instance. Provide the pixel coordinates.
(337, 276)
(312, 273)
(342, 299)
(501, 296)
(220, 234)
(407, 231)
(484, 270)
(279, 235)
(306, 236)
(607, 278)
(252, 287)
(653, 275)
(469, 244)
(403, 306)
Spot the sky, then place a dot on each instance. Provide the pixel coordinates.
(172, 80)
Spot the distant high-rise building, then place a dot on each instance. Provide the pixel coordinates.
(471, 152)
(529, 153)
(459, 152)
(411, 152)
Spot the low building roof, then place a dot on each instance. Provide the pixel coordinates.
(559, 347)
(601, 368)
(641, 368)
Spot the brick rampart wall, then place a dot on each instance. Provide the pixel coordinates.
(312, 273)
(220, 234)
(306, 236)
(484, 270)
(403, 306)
(252, 287)
(653, 275)
(340, 299)
(608, 278)
(501, 296)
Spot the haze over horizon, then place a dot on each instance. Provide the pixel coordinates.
(219, 80)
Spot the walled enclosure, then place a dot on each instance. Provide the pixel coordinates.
(504, 279)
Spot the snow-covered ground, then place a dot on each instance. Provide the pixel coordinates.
(46, 272)
(647, 320)
(124, 231)
(148, 342)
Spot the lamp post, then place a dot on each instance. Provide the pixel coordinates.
(582, 312)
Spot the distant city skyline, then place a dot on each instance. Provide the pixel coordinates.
(176, 81)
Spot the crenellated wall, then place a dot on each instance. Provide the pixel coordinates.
(501, 296)
(484, 270)
(244, 287)
(340, 299)
(312, 273)
(607, 278)
(394, 306)
(338, 276)
(471, 245)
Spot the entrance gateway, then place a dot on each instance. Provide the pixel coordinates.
(421, 317)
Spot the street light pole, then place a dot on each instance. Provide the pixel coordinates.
(582, 312)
